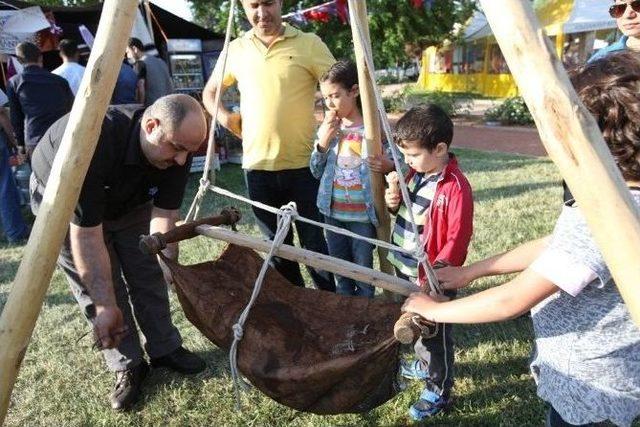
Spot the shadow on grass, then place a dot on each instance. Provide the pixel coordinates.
(217, 361)
(509, 191)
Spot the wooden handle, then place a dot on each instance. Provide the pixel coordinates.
(152, 245)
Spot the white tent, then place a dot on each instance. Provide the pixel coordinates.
(557, 16)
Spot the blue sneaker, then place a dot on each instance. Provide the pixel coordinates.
(413, 371)
(428, 405)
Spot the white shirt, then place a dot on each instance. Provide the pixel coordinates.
(72, 73)
(3, 99)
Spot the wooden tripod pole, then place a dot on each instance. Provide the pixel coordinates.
(372, 133)
(67, 175)
(573, 141)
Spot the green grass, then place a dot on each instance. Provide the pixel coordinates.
(63, 382)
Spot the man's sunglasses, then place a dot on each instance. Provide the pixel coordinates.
(617, 10)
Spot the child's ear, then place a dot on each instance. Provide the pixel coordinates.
(442, 149)
(355, 89)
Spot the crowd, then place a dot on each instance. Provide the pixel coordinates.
(586, 362)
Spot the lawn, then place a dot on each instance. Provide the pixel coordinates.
(62, 380)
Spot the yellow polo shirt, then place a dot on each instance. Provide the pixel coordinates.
(277, 87)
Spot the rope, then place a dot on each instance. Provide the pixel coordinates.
(419, 252)
(286, 214)
(338, 230)
(206, 173)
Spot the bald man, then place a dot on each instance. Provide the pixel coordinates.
(134, 186)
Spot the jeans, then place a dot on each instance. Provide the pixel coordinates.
(277, 188)
(352, 250)
(11, 219)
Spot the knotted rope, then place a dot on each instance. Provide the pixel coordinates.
(286, 215)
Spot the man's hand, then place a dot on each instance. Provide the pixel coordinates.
(452, 278)
(380, 163)
(231, 121)
(108, 326)
(328, 129)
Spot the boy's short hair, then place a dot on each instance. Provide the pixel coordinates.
(427, 124)
(28, 53)
(137, 43)
(68, 48)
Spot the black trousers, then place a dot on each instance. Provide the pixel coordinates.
(277, 188)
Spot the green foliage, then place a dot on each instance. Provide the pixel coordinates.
(397, 29)
(513, 111)
(409, 98)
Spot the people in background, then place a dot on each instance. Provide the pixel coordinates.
(154, 80)
(70, 70)
(37, 98)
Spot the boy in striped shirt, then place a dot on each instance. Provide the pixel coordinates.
(442, 205)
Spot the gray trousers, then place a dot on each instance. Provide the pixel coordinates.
(140, 290)
(139, 287)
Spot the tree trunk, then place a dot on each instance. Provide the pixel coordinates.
(372, 134)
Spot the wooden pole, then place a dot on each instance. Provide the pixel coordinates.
(573, 141)
(372, 133)
(61, 195)
(314, 259)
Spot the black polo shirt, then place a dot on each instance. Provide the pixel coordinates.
(119, 178)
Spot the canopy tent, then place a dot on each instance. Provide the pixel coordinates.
(68, 20)
(476, 65)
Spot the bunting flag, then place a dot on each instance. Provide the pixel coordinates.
(343, 11)
(419, 4)
(321, 13)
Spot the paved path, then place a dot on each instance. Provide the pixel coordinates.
(503, 139)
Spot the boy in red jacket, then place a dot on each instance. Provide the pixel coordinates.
(443, 211)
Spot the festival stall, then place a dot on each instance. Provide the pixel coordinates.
(475, 64)
(160, 31)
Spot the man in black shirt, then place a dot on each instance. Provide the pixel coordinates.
(134, 185)
(37, 98)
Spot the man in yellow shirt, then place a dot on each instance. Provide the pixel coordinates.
(276, 68)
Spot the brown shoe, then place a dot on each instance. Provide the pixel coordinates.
(128, 387)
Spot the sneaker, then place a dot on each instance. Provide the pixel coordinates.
(428, 405)
(413, 370)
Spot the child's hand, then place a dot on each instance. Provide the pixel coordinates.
(451, 278)
(328, 129)
(380, 163)
(420, 303)
(392, 194)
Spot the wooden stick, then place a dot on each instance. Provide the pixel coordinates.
(313, 259)
(573, 141)
(372, 133)
(153, 244)
(67, 175)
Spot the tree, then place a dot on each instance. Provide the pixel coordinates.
(398, 30)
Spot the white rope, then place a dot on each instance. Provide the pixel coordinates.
(285, 216)
(194, 210)
(419, 252)
(333, 228)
